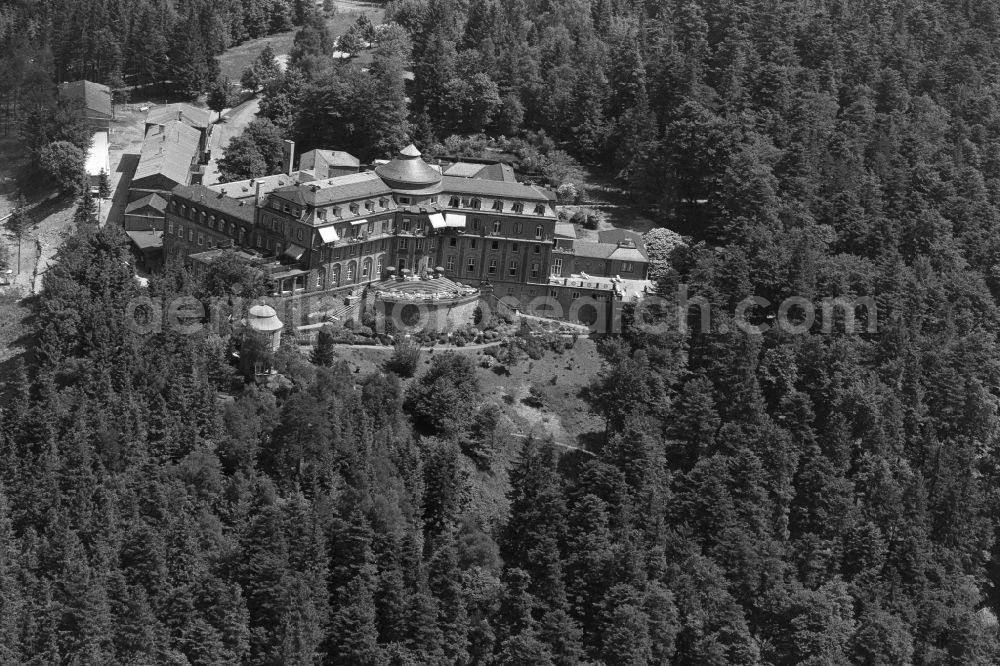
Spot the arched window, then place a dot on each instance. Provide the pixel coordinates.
(351, 268)
(378, 265)
(366, 269)
(335, 275)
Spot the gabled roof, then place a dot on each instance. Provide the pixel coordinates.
(94, 98)
(463, 170)
(496, 171)
(565, 230)
(616, 235)
(495, 188)
(352, 187)
(186, 113)
(628, 254)
(154, 201)
(145, 240)
(623, 237)
(168, 150)
(334, 158)
(592, 250)
(202, 196)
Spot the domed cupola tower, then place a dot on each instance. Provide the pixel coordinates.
(409, 175)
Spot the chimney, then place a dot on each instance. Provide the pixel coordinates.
(256, 195)
(288, 155)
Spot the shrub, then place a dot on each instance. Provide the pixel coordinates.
(405, 358)
(535, 398)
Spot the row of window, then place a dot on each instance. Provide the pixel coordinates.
(336, 211)
(477, 204)
(518, 228)
(491, 267)
(366, 270)
(194, 236)
(207, 219)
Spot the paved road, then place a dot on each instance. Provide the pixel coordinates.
(232, 124)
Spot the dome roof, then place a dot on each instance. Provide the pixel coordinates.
(408, 170)
(263, 318)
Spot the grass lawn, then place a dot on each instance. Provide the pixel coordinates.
(235, 60)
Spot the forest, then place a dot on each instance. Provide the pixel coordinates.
(817, 498)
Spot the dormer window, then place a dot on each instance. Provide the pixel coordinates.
(336, 211)
(369, 206)
(476, 204)
(498, 205)
(540, 209)
(453, 203)
(383, 202)
(518, 207)
(355, 208)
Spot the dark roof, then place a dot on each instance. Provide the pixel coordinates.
(214, 201)
(408, 168)
(593, 250)
(93, 97)
(168, 150)
(496, 188)
(154, 201)
(145, 240)
(351, 187)
(498, 171)
(192, 116)
(616, 235)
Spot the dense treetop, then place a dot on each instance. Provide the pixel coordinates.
(813, 498)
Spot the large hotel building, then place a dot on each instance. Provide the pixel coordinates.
(472, 223)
